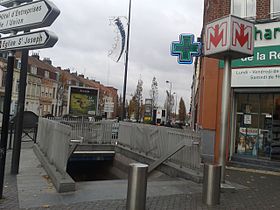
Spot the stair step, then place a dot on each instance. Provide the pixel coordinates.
(269, 163)
(253, 166)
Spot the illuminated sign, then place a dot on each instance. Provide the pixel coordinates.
(186, 49)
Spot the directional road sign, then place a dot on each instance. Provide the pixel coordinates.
(30, 41)
(29, 16)
(9, 3)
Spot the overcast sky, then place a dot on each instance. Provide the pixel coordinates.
(85, 38)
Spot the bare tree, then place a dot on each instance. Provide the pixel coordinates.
(61, 90)
(169, 104)
(138, 98)
(154, 93)
(182, 111)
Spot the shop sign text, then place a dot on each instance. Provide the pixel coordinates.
(263, 56)
(256, 77)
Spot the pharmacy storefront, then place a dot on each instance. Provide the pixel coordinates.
(256, 104)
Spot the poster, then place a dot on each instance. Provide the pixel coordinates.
(247, 119)
(82, 101)
(247, 143)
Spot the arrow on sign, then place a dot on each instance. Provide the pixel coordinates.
(37, 14)
(9, 3)
(30, 41)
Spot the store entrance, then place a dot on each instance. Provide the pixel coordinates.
(258, 125)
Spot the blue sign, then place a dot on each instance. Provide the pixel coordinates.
(186, 49)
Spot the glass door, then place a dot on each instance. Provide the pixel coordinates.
(275, 134)
(265, 128)
(247, 132)
(258, 125)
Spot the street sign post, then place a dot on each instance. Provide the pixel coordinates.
(29, 16)
(9, 3)
(30, 41)
(25, 17)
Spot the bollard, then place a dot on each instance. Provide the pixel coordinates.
(137, 186)
(211, 184)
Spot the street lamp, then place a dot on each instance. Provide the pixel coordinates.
(169, 100)
(126, 62)
(175, 105)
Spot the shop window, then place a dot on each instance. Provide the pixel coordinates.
(275, 8)
(244, 8)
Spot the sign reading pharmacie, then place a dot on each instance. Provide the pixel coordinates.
(267, 47)
(29, 16)
(31, 41)
(256, 77)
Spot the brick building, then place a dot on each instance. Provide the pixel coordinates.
(47, 88)
(255, 101)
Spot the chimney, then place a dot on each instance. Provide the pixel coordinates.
(36, 55)
(74, 74)
(81, 75)
(47, 60)
(67, 70)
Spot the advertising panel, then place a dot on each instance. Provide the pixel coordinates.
(82, 101)
(148, 111)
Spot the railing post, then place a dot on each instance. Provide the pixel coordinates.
(137, 186)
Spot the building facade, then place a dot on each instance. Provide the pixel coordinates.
(255, 86)
(47, 87)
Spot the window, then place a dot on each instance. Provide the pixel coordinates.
(47, 74)
(38, 90)
(43, 91)
(18, 63)
(244, 8)
(275, 8)
(28, 89)
(33, 90)
(46, 91)
(54, 90)
(33, 70)
(17, 86)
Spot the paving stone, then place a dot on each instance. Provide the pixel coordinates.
(258, 192)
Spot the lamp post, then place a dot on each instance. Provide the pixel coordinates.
(175, 105)
(126, 62)
(169, 100)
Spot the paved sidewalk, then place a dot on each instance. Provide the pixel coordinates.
(31, 189)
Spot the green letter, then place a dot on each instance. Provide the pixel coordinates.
(268, 34)
(258, 32)
(275, 32)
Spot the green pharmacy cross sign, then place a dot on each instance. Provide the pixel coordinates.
(186, 49)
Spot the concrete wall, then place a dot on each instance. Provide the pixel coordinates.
(53, 140)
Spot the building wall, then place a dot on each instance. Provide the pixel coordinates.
(210, 78)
